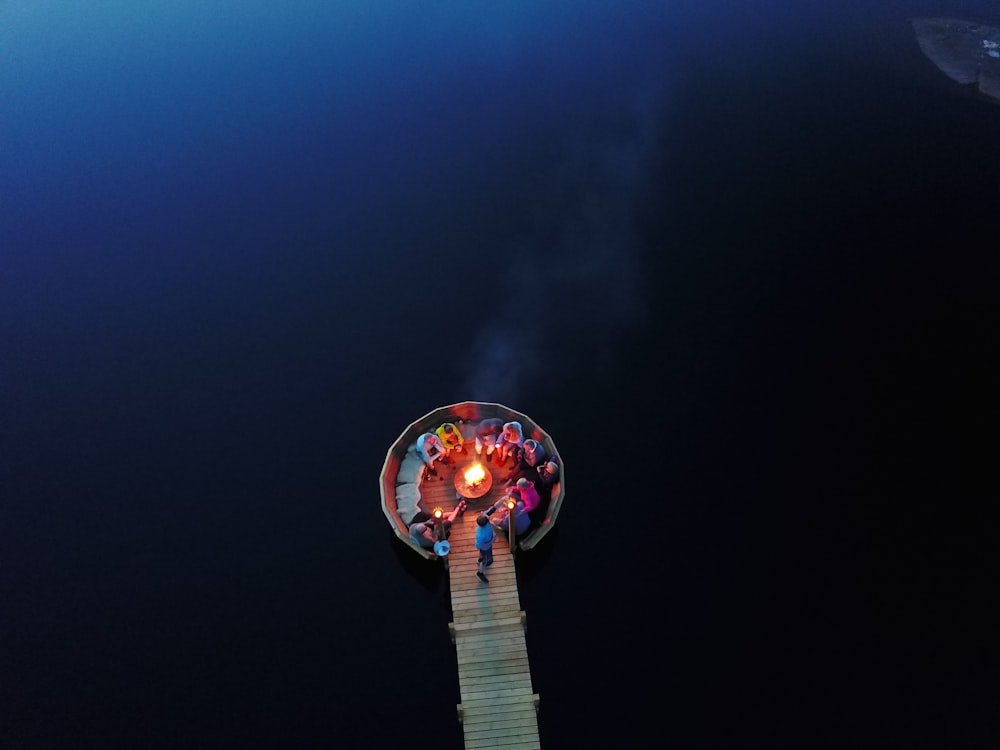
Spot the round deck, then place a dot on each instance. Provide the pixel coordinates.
(404, 489)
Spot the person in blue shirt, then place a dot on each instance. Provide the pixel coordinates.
(484, 543)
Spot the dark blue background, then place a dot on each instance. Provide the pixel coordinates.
(740, 262)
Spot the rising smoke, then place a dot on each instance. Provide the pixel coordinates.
(575, 276)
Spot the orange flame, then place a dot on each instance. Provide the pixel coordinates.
(474, 475)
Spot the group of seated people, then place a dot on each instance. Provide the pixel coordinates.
(425, 530)
(439, 445)
(528, 482)
(506, 439)
(495, 435)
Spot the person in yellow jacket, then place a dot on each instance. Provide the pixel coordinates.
(450, 438)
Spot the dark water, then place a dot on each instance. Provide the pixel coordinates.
(745, 264)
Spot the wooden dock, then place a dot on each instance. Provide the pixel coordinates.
(499, 705)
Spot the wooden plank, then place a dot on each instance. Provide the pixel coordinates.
(475, 615)
(486, 645)
(483, 636)
(503, 743)
(468, 582)
(492, 654)
(503, 599)
(465, 580)
(478, 712)
(502, 643)
(466, 678)
(519, 743)
(481, 660)
(519, 727)
(481, 715)
(469, 651)
(488, 633)
(485, 593)
(523, 692)
(489, 720)
(463, 593)
(480, 682)
(489, 625)
(485, 670)
(474, 656)
(501, 739)
(488, 691)
(485, 597)
(499, 705)
(512, 735)
(484, 666)
(501, 610)
(514, 696)
(490, 639)
(471, 603)
(511, 679)
(512, 729)
(496, 724)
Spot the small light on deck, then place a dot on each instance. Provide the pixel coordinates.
(438, 512)
(510, 504)
(474, 475)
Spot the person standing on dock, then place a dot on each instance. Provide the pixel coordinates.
(484, 543)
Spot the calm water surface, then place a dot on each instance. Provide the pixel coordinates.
(736, 261)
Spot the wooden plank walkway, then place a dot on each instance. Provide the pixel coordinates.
(498, 708)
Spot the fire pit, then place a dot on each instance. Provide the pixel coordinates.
(474, 481)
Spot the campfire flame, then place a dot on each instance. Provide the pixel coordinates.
(474, 475)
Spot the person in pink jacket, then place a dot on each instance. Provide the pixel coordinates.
(529, 494)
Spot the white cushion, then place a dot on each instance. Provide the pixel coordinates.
(407, 501)
(411, 469)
